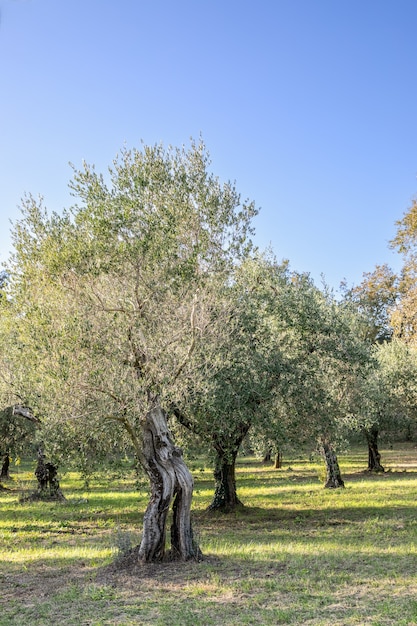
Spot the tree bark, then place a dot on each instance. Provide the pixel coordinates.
(374, 457)
(170, 481)
(225, 494)
(333, 475)
(4, 474)
(278, 460)
(47, 477)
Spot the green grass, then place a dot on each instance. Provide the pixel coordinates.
(296, 554)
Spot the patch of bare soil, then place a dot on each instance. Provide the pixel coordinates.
(43, 581)
(39, 582)
(128, 567)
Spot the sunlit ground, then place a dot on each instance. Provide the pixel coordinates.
(295, 554)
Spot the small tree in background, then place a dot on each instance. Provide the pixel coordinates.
(404, 317)
(375, 300)
(17, 437)
(316, 401)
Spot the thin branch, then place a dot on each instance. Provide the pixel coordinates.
(192, 343)
(183, 420)
(107, 309)
(106, 392)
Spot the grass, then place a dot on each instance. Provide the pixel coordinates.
(296, 554)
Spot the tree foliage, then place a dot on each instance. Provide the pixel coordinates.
(375, 299)
(113, 297)
(404, 318)
(285, 368)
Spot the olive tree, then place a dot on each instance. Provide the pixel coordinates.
(18, 426)
(17, 436)
(284, 367)
(396, 404)
(233, 388)
(375, 300)
(113, 298)
(323, 357)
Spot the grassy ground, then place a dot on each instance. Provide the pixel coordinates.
(296, 554)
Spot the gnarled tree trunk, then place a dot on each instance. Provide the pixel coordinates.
(333, 475)
(4, 474)
(225, 495)
(171, 481)
(47, 477)
(374, 457)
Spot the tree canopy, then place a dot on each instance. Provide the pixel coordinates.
(113, 296)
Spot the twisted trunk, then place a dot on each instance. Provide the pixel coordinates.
(171, 481)
(333, 475)
(374, 457)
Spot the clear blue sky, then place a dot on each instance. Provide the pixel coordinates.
(309, 105)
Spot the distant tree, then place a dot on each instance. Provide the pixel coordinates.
(373, 411)
(17, 426)
(404, 318)
(398, 373)
(325, 356)
(3, 283)
(375, 299)
(388, 396)
(17, 435)
(113, 301)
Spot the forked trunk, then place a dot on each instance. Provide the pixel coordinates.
(170, 481)
(374, 457)
(333, 476)
(277, 460)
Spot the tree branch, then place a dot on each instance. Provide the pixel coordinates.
(26, 412)
(193, 341)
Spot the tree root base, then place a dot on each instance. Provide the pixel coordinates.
(131, 558)
(44, 497)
